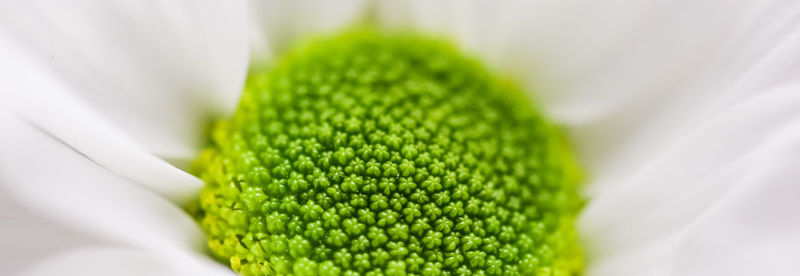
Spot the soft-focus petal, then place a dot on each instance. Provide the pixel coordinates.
(60, 184)
(720, 202)
(684, 114)
(34, 245)
(123, 261)
(29, 237)
(155, 69)
(32, 92)
(278, 23)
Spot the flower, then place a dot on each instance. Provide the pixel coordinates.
(684, 114)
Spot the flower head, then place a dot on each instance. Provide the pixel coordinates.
(684, 115)
(369, 153)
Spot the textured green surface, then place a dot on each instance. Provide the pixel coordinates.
(375, 154)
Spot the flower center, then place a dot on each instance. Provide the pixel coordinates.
(375, 154)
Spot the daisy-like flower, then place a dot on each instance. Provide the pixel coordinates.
(684, 116)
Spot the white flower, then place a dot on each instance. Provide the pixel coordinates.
(685, 113)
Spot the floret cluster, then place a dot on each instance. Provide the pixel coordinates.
(387, 154)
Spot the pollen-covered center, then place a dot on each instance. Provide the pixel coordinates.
(374, 154)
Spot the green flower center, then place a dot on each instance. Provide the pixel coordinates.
(387, 154)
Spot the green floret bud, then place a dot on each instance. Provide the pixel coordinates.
(368, 153)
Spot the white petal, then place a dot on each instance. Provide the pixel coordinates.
(154, 69)
(63, 186)
(684, 114)
(276, 24)
(721, 202)
(35, 95)
(34, 91)
(34, 245)
(123, 261)
(29, 237)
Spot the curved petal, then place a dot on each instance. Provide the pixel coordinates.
(276, 24)
(34, 245)
(32, 93)
(28, 237)
(123, 261)
(154, 69)
(59, 184)
(684, 114)
(720, 202)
